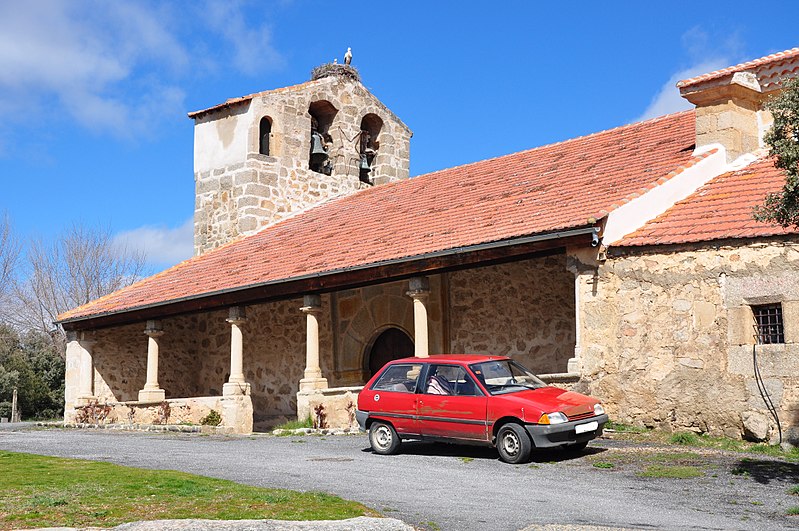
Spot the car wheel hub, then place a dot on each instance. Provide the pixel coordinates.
(510, 443)
(383, 437)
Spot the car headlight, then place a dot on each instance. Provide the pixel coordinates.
(553, 418)
(598, 409)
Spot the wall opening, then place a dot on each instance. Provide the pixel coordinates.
(391, 344)
(368, 144)
(264, 133)
(322, 114)
(769, 327)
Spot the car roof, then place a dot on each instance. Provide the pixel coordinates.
(452, 358)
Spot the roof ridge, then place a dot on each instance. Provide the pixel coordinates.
(760, 61)
(560, 142)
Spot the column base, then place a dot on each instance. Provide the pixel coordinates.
(309, 384)
(236, 389)
(573, 366)
(152, 395)
(85, 400)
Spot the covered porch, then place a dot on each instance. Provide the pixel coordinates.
(304, 347)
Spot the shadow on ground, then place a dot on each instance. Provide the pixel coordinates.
(486, 453)
(765, 471)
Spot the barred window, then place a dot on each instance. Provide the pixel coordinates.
(768, 324)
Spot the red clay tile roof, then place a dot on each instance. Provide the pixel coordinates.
(758, 64)
(546, 189)
(721, 209)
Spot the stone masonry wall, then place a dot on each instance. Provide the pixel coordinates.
(666, 340)
(362, 314)
(522, 309)
(241, 194)
(194, 358)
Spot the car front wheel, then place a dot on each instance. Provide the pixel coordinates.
(383, 438)
(513, 444)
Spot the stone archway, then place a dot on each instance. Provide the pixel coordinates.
(390, 344)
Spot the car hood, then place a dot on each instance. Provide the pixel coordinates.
(551, 399)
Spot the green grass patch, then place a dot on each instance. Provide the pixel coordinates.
(603, 464)
(624, 428)
(295, 424)
(38, 491)
(685, 438)
(467, 459)
(794, 490)
(793, 511)
(671, 472)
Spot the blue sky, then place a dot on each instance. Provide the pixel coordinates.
(94, 94)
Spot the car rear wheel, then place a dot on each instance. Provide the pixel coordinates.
(383, 438)
(513, 444)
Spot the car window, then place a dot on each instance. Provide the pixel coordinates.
(401, 378)
(505, 376)
(450, 380)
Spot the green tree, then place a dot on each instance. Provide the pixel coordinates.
(783, 140)
(31, 364)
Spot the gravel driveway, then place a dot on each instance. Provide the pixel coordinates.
(434, 486)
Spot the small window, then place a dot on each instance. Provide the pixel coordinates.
(450, 380)
(401, 378)
(264, 132)
(769, 328)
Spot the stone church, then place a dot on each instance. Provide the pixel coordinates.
(625, 264)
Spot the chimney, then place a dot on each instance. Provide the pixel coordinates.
(729, 102)
(729, 111)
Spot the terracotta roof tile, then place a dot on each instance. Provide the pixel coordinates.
(554, 187)
(760, 63)
(730, 198)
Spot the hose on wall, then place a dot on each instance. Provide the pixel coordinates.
(761, 386)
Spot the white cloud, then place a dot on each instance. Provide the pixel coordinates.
(79, 57)
(251, 47)
(162, 246)
(668, 99)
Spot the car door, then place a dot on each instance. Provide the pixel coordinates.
(451, 405)
(393, 397)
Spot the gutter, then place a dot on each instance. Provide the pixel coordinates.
(590, 230)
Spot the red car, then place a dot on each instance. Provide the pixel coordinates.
(487, 400)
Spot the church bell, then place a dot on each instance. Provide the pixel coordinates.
(318, 151)
(364, 165)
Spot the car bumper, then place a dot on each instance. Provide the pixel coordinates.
(549, 435)
(361, 417)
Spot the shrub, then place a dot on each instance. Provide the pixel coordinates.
(684, 437)
(213, 418)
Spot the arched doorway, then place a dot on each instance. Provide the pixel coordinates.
(391, 344)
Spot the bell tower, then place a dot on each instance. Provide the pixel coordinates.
(262, 157)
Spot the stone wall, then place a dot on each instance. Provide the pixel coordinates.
(662, 342)
(360, 315)
(522, 309)
(239, 191)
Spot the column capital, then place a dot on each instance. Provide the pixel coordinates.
(153, 328)
(153, 333)
(312, 301)
(237, 315)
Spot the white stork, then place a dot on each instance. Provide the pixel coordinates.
(348, 56)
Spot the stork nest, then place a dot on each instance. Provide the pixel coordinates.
(331, 69)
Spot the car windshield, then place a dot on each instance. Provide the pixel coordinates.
(505, 376)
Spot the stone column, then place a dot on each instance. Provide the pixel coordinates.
(236, 384)
(420, 292)
(86, 382)
(312, 307)
(152, 392)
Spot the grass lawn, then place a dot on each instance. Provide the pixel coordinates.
(38, 491)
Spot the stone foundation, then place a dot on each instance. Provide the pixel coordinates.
(235, 412)
(332, 408)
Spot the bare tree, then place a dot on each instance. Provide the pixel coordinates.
(81, 265)
(9, 254)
